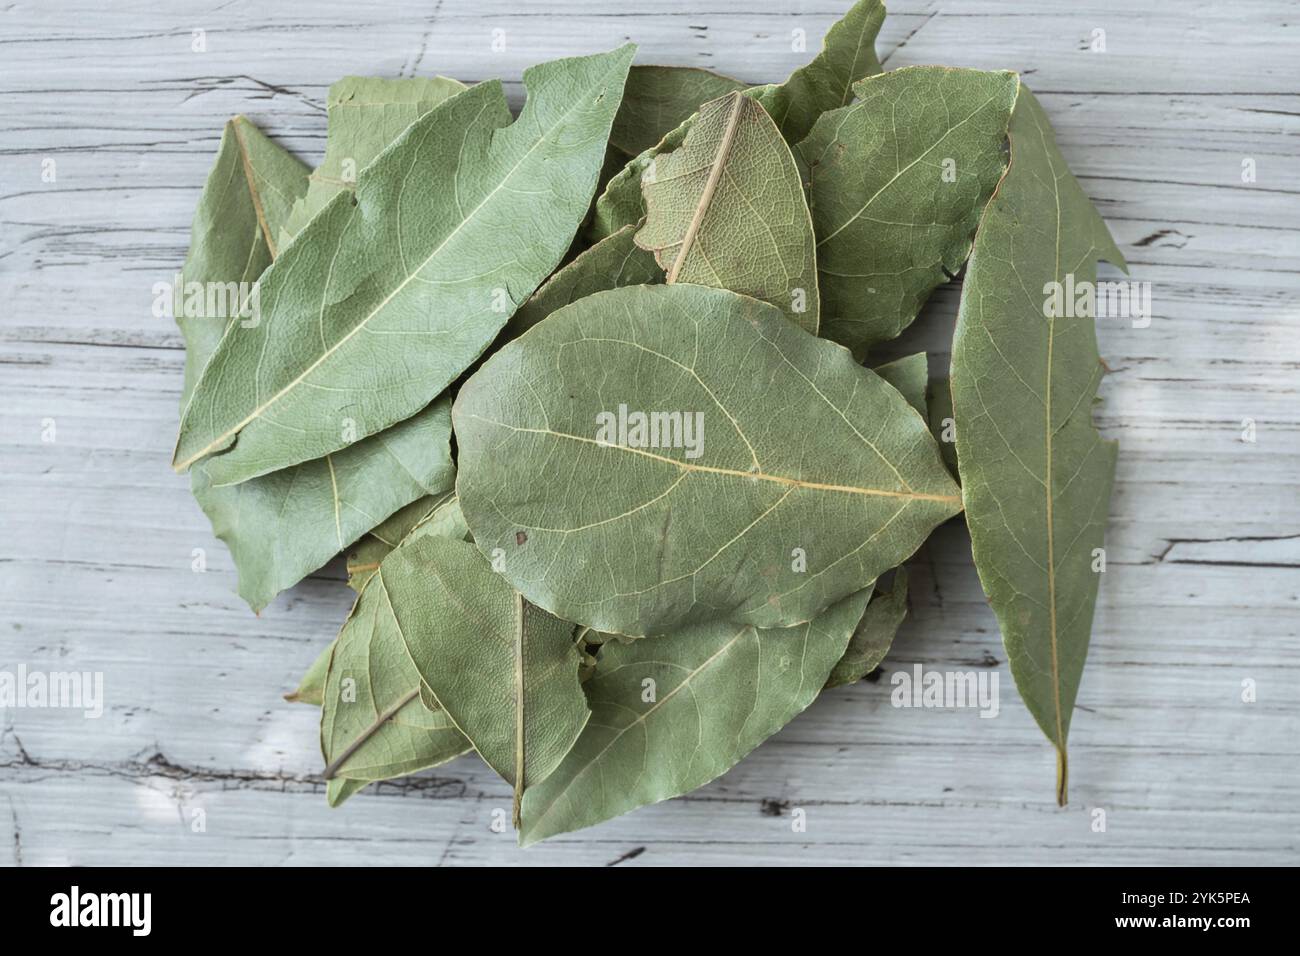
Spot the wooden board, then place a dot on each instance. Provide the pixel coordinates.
(98, 539)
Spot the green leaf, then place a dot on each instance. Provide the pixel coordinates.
(727, 210)
(801, 449)
(438, 514)
(284, 525)
(848, 54)
(365, 114)
(311, 689)
(718, 690)
(909, 376)
(874, 634)
(373, 724)
(246, 199)
(504, 671)
(1036, 475)
(938, 401)
(339, 789)
(659, 98)
(281, 527)
(388, 294)
(613, 262)
(896, 185)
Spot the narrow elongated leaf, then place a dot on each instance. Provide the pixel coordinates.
(246, 200)
(848, 54)
(613, 262)
(505, 672)
(781, 444)
(874, 634)
(727, 210)
(673, 712)
(392, 291)
(659, 98)
(896, 185)
(366, 114)
(373, 724)
(282, 526)
(1036, 475)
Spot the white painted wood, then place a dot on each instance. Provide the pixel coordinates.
(1203, 585)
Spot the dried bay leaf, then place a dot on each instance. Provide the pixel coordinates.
(717, 690)
(727, 210)
(613, 262)
(373, 723)
(504, 671)
(896, 185)
(909, 376)
(1036, 474)
(365, 115)
(659, 98)
(938, 401)
(801, 449)
(874, 634)
(282, 526)
(390, 292)
(440, 513)
(848, 54)
(379, 719)
(247, 197)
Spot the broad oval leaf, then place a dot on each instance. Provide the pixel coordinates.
(727, 210)
(780, 442)
(505, 672)
(659, 98)
(909, 376)
(365, 115)
(896, 185)
(391, 292)
(848, 53)
(673, 712)
(1036, 474)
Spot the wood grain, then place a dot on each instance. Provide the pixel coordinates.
(1201, 593)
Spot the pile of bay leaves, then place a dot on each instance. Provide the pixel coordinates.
(588, 397)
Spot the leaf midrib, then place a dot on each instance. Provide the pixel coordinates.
(730, 472)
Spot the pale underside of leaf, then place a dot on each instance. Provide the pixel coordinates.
(847, 55)
(727, 210)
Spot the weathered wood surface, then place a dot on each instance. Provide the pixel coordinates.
(1202, 590)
